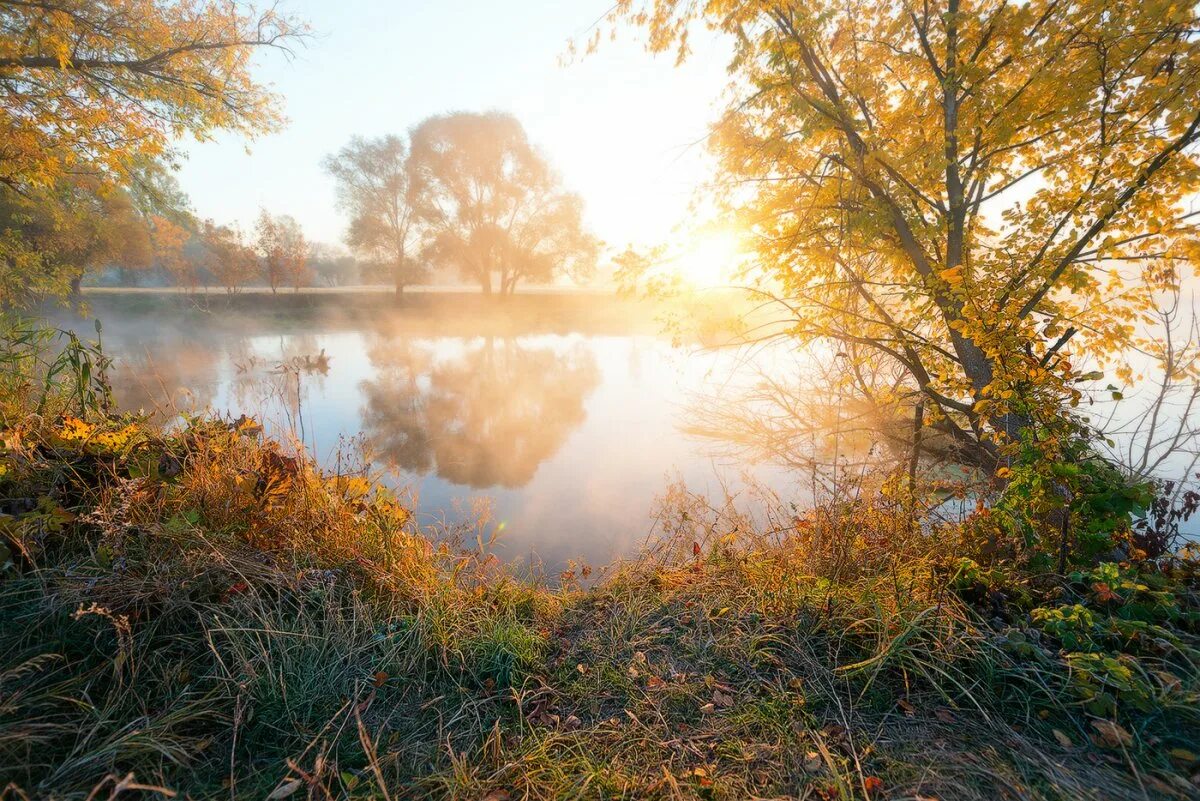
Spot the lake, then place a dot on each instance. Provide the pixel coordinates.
(562, 417)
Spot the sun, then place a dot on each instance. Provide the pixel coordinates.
(712, 258)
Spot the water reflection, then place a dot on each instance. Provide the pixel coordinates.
(164, 375)
(486, 416)
(568, 428)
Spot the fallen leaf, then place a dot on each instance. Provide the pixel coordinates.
(834, 733)
(1111, 735)
(873, 785)
(380, 678)
(1063, 739)
(655, 683)
(1182, 757)
(284, 790)
(496, 795)
(708, 709)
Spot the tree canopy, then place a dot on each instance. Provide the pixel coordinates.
(95, 93)
(490, 204)
(95, 85)
(52, 236)
(986, 195)
(280, 244)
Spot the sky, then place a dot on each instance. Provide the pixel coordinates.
(624, 128)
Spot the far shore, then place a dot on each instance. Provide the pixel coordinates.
(374, 289)
(427, 310)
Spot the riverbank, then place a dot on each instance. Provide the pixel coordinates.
(711, 316)
(207, 613)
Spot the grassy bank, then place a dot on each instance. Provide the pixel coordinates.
(204, 612)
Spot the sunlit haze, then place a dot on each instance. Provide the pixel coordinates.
(625, 130)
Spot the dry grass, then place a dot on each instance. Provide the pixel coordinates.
(207, 613)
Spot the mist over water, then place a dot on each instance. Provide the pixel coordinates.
(563, 426)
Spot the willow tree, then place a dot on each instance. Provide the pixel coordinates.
(490, 205)
(985, 194)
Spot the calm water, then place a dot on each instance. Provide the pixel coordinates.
(569, 435)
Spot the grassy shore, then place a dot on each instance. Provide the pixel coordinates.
(206, 613)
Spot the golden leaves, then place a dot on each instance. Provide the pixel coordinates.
(957, 223)
(111, 84)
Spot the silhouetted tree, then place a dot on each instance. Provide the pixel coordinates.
(374, 189)
(490, 204)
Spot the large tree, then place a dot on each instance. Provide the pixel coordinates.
(986, 194)
(53, 236)
(373, 187)
(490, 204)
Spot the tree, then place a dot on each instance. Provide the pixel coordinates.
(226, 256)
(62, 232)
(97, 85)
(374, 189)
(280, 244)
(168, 241)
(332, 265)
(490, 203)
(986, 194)
(103, 88)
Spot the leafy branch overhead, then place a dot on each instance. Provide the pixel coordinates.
(980, 195)
(96, 85)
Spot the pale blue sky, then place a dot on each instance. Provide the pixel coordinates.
(623, 127)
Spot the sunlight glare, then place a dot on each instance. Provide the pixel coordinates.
(712, 259)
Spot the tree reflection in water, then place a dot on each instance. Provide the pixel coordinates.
(485, 417)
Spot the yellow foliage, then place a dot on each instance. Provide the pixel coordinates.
(972, 193)
(99, 86)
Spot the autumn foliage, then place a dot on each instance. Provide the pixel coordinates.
(983, 198)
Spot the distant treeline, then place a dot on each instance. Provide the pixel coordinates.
(462, 197)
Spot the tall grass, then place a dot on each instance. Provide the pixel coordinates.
(203, 611)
